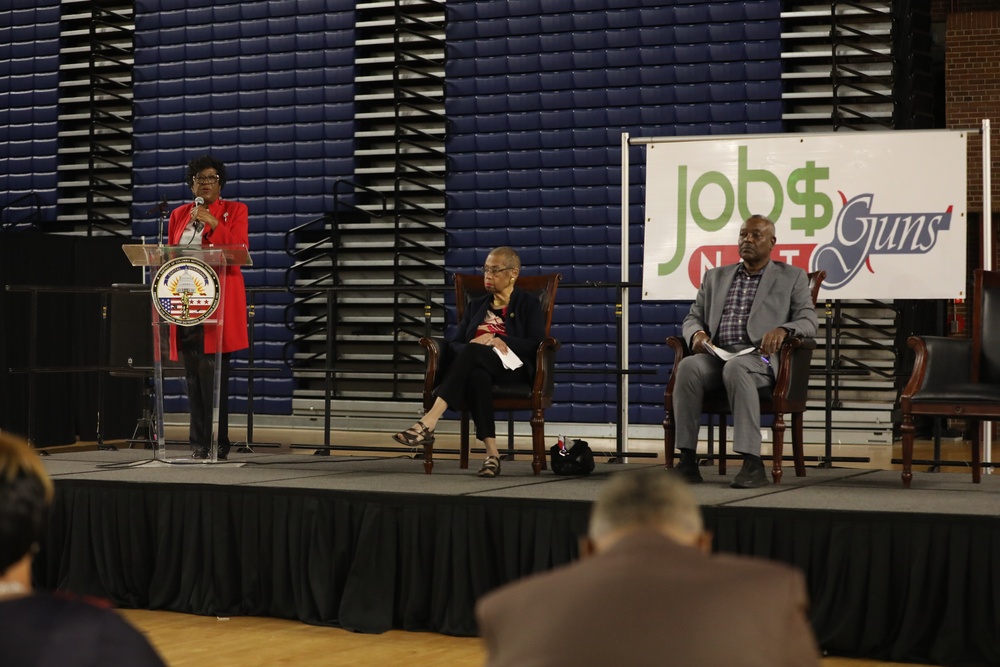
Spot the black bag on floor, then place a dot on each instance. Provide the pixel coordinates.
(576, 460)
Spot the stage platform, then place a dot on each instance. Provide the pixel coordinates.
(371, 543)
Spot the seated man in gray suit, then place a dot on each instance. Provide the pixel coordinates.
(651, 594)
(752, 305)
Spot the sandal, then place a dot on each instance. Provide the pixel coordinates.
(417, 435)
(491, 467)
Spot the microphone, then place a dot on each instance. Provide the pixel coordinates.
(198, 201)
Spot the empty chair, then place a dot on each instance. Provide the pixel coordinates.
(957, 377)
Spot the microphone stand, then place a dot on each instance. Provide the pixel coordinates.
(162, 206)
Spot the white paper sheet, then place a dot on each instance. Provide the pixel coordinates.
(510, 360)
(724, 355)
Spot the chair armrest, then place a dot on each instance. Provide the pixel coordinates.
(677, 344)
(432, 359)
(545, 362)
(792, 382)
(940, 361)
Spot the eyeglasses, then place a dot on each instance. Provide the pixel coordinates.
(206, 180)
(493, 270)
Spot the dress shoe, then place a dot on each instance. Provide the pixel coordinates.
(688, 470)
(199, 454)
(223, 452)
(752, 475)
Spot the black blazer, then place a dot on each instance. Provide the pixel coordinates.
(524, 321)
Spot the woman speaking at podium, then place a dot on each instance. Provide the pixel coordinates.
(209, 220)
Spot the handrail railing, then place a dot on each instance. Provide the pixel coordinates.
(33, 219)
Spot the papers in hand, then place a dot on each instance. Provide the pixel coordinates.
(510, 360)
(723, 354)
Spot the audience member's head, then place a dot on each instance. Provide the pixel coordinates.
(646, 500)
(25, 495)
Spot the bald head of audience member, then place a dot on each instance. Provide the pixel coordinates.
(646, 500)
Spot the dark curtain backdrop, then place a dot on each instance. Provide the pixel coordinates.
(899, 587)
(67, 335)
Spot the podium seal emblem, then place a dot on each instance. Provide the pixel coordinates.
(186, 291)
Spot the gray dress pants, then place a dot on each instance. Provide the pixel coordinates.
(741, 376)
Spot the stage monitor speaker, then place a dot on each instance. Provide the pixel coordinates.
(131, 328)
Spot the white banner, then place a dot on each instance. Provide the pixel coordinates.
(883, 213)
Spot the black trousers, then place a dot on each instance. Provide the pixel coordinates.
(199, 373)
(468, 383)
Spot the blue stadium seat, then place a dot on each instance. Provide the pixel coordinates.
(763, 90)
(594, 59)
(718, 92)
(590, 234)
(761, 50)
(728, 113)
(461, 256)
(523, 25)
(763, 110)
(523, 237)
(766, 69)
(462, 199)
(592, 392)
(461, 181)
(762, 30)
(589, 98)
(491, 161)
(592, 42)
(490, 85)
(525, 82)
(697, 13)
(554, 61)
(693, 93)
(700, 53)
(491, 104)
(491, 180)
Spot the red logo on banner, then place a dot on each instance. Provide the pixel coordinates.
(713, 256)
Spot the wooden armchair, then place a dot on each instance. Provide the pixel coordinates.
(957, 377)
(535, 396)
(788, 396)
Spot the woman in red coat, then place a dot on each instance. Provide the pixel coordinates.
(212, 221)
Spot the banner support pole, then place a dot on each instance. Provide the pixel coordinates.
(623, 380)
(987, 434)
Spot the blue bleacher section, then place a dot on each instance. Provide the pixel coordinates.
(538, 94)
(268, 88)
(29, 99)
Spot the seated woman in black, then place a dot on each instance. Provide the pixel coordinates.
(506, 319)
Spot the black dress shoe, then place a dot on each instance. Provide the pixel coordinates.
(688, 471)
(752, 475)
(223, 452)
(199, 454)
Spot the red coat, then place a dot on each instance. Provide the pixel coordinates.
(231, 230)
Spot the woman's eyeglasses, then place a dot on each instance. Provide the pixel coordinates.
(206, 180)
(493, 270)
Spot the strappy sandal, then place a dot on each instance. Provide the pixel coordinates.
(491, 467)
(417, 435)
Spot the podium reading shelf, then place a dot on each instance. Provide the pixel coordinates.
(186, 290)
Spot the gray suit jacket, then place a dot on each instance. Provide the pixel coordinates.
(651, 601)
(783, 300)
